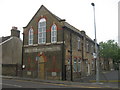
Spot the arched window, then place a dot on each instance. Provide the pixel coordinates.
(53, 33)
(30, 39)
(42, 31)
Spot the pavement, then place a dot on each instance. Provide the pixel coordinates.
(104, 76)
(74, 84)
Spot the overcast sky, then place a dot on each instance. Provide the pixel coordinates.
(78, 13)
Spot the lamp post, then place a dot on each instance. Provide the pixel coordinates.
(96, 52)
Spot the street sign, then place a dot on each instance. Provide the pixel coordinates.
(37, 58)
(54, 73)
(94, 55)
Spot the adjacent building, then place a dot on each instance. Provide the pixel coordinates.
(52, 49)
(11, 53)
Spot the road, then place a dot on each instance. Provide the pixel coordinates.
(14, 82)
(10, 83)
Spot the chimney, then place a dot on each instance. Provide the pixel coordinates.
(83, 33)
(15, 32)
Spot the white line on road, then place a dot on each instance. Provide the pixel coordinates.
(10, 85)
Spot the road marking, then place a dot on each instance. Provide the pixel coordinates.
(10, 85)
(59, 84)
(43, 83)
(105, 80)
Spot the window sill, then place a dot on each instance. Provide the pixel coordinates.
(53, 42)
(79, 71)
(43, 44)
(29, 45)
(79, 50)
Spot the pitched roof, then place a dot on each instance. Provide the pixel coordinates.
(59, 19)
(2, 39)
(42, 6)
(72, 27)
(6, 40)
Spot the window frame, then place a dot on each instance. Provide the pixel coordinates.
(79, 65)
(75, 65)
(78, 44)
(87, 46)
(42, 31)
(54, 33)
(30, 36)
(93, 64)
(68, 68)
(92, 49)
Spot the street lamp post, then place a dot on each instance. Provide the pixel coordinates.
(96, 52)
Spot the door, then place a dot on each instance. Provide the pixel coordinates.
(41, 71)
(41, 67)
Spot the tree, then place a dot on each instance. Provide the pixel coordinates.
(110, 49)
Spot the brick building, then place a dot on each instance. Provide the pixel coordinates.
(106, 64)
(49, 46)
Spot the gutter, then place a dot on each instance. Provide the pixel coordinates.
(6, 40)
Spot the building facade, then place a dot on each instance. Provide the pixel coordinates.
(54, 49)
(11, 53)
(106, 64)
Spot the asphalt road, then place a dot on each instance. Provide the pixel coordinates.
(37, 85)
(10, 83)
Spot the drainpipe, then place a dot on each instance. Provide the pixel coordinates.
(63, 53)
(82, 51)
(71, 67)
(63, 58)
